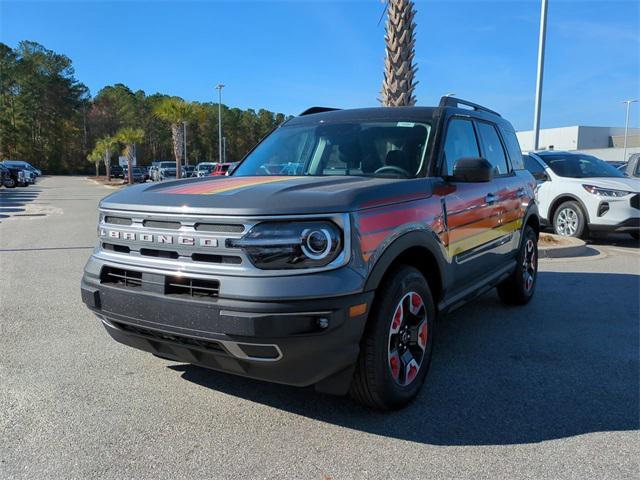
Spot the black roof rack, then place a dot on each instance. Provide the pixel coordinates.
(312, 110)
(448, 101)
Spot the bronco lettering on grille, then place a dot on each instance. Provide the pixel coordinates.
(165, 239)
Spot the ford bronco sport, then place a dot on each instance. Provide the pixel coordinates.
(326, 256)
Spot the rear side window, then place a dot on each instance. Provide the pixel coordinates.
(513, 148)
(460, 143)
(533, 166)
(492, 148)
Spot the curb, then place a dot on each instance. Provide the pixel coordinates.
(574, 247)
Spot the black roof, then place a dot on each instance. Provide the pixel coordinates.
(376, 113)
(315, 115)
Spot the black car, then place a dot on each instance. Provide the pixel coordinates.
(116, 171)
(13, 176)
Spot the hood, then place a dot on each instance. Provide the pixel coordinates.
(267, 195)
(614, 183)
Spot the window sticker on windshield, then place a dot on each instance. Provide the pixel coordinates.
(406, 124)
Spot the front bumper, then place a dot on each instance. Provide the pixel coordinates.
(297, 342)
(627, 226)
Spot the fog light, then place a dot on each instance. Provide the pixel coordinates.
(323, 322)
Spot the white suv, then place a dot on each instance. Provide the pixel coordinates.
(578, 193)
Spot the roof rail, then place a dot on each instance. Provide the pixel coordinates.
(312, 110)
(448, 101)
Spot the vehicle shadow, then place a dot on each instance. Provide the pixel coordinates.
(613, 239)
(564, 365)
(12, 201)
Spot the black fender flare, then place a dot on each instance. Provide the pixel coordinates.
(416, 238)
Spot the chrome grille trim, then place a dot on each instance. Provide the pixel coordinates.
(185, 264)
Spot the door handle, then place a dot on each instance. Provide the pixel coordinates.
(491, 198)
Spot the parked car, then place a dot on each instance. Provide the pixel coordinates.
(15, 176)
(5, 175)
(203, 169)
(632, 167)
(579, 193)
(166, 171)
(332, 277)
(116, 171)
(24, 166)
(186, 171)
(220, 169)
(138, 175)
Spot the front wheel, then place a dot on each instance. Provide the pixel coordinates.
(10, 183)
(570, 220)
(518, 288)
(396, 348)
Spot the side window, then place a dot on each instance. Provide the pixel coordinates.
(460, 143)
(492, 148)
(513, 148)
(534, 168)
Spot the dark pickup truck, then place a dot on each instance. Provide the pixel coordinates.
(325, 258)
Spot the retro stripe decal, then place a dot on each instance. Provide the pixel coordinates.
(228, 184)
(460, 246)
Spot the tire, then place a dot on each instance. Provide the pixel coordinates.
(386, 377)
(635, 235)
(569, 220)
(10, 183)
(518, 289)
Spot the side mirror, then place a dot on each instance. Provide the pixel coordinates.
(474, 169)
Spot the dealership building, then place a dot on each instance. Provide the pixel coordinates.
(606, 143)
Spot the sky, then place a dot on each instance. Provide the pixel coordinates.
(288, 55)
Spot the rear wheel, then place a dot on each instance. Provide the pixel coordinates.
(396, 347)
(569, 220)
(519, 287)
(10, 183)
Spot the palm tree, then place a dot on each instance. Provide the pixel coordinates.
(129, 137)
(399, 70)
(106, 146)
(175, 111)
(95, 157)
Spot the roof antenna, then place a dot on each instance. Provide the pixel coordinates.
(384, 10)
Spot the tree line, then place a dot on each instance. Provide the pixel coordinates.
(49, 118)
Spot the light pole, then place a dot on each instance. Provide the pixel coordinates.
(626, 127)
(219, 87)
(541, 45)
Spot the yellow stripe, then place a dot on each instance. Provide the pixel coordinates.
(465, 244)
(238, 187)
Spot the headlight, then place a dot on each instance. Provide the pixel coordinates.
(291, 245)
(606, 192)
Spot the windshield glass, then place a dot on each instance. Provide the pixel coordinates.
(384, 149)
(580, 166)
(167, 164)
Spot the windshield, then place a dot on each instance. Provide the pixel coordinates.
(205, 167)
(580, 166)
(384, 149)
(167, 165)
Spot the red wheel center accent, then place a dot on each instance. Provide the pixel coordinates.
(408, 338)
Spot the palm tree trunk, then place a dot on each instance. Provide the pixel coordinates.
(399, 70)
(178, 145)
(130, 154)
(97, 169)
(107, 165)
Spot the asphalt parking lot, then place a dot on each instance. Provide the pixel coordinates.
(550, 390)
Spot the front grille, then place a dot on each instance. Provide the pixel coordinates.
(155, 334)
(152, 252)
(121, 277)
(162, 224)
(193, 287)
(635, 201)
(220, 259)
(116, 248)
(219, 228)
(171, 285)
(117, 220)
